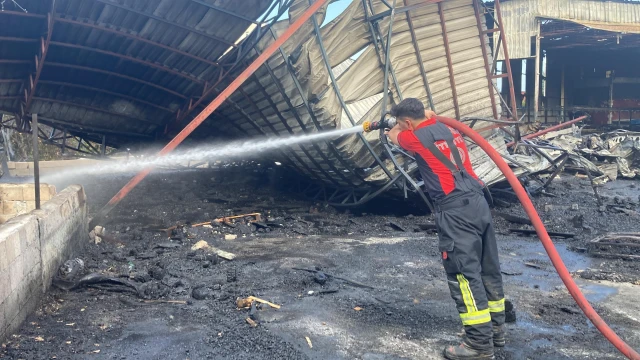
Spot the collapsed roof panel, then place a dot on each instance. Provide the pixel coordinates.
(145, 68)
(297, 95)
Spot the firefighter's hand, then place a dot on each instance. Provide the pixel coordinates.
(428, 114)
(393, 134)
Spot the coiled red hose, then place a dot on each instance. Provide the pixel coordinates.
(575, 292)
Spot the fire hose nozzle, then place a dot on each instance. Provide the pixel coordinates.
(385, 123)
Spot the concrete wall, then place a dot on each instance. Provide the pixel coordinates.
(51, 167)
(32, 247)
(18, 199)
(48, 167)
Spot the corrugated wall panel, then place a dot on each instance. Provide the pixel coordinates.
(361, 83)
(519, 17)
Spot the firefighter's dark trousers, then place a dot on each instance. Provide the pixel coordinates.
(470, 258)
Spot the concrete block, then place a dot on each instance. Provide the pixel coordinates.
(11, 165)
(4, 257)
(21, 315)
(3, 321)
(32, 247)
(10, 192)
(58, 163)
(22, 172)
(11, 239)
(5, 285)
(29, 193)
(22, 165)
(30, 261)
(16, 273)
(14, 207)
(29, 287)
(31, 205)
(4, 218)
(12, 307)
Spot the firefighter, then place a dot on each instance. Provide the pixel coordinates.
(466, 236)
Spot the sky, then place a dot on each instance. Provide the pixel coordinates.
(333, 11)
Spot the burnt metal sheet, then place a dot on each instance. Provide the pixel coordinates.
(520, 24)
(123, 57)
(361, 81)
(95, 79)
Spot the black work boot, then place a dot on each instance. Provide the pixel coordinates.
(499, 338)
(465, 352)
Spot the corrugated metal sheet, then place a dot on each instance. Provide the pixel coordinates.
(140, 94)
(519, 17)
(152, 79)
(361, 83)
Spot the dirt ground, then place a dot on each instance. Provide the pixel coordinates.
(397, 305)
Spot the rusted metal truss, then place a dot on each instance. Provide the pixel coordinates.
(32, 83)
(481, 9)
(325, 166)
(404, 181)
(53, 134)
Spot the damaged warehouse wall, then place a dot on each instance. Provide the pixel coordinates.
(585, 52)
(32, 247)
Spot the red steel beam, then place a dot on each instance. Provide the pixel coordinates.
(485, 56)
(93, 108)
(111, 73)
(447, 51)
(158, 18)
(549, 129)
(30, 90)
(514, 107)
(91, 88)
(129, 58)
(87, 24)
(226, 93)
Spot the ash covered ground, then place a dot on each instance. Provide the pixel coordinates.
(395, 306)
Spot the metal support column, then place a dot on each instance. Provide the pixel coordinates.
(103, 149)
(36, 158)
(536, 84)
(611, 79)
(505, 51)
(64, 141)
(483, 35)
(562, 87)
(447, 51)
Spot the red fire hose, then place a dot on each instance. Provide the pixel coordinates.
(546, 240)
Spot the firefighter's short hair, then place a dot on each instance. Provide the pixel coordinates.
(409, 108)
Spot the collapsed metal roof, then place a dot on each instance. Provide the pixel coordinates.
(139, 70)
(120, 68)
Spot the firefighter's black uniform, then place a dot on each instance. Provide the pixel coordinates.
(466, 235)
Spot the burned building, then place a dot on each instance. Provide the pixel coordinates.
(575, 57)
(118, 73)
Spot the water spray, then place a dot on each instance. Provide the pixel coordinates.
(211, 152)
